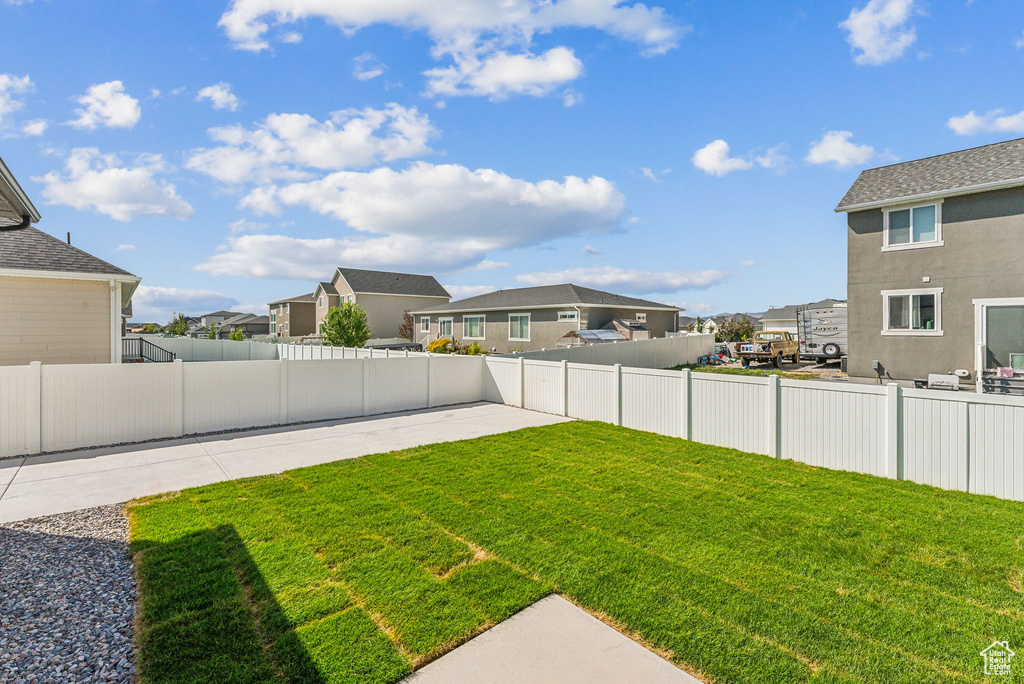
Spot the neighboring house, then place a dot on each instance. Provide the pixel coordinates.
(936, 278)
(784, 317)
(59, 304)
(293, 317)
(385, 296)
(248, 323)
(200, 326)
(698, 325)
(532, 318)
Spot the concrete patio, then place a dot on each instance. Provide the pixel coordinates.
(58, 483)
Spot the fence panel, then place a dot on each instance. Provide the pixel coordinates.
(395, 385)
(16, 418)
(996, 444)
(320, 390)
(833, 426)
(228, 394)
(652, 401)
(935, 442)
(662, 352)
(544, 387)
(592, 393)
(731, 411)
(502, 380)
(456, 379)
(96, 404)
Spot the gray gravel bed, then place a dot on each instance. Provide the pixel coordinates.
(67, 598)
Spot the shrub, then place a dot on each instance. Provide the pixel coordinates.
(238, 335)
(472, 350)
(345, 326)
(441, 346)
(178, 325)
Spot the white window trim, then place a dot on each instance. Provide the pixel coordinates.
(529, 327)
(440, 321)
(641, 317)
(424, 324)
(483, 327)
(320, 302)
(937, 332)
(981, 331)
(568, 316)
(937, 242)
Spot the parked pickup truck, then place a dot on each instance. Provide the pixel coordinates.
(769, 346)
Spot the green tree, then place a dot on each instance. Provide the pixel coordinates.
(178, 325)
(238, 335)
(345, 326)
(212, 332)
(151, 328)
(735, 330)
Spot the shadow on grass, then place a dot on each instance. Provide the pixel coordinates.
(206, 614)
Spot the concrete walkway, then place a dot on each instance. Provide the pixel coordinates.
(58, 483)
(551, 642)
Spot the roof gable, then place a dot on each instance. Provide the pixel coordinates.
(389, 282)
(971, 170)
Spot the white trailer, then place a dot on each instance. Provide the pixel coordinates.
(822, 332)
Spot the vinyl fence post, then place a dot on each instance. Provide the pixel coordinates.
(34, 408)
(618, 394)
(565, 388)
(773, 416)
(178, 408)
(685, 405)
(522, 382)
(284, 391)
(893, 411)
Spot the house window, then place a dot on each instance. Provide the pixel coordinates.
(445, 327)
(641, 317)
(273, 316)
(286, 327)
(912, 312)
(913, 227)
(425, 324)
(473, 327)
(519, 327)
(320, 302)
(568, 316)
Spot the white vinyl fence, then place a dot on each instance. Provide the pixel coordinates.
(954, 440)
(661, 352)
(204, 349)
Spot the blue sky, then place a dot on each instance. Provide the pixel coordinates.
(234, 152)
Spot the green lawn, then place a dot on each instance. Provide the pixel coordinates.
(759, 371)
(738, 567)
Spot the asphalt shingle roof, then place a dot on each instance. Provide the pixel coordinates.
(547, 295)
(32, 249)
(996, 163)
(311, 297)
(329, 288)
(385, 282)
(789, 312)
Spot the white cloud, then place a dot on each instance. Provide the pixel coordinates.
(106, 104)
(1019, 43)
(35, 127)
(487, 40)
(489, 265)
(773, 158)
(366, 66)
(571, 98)
(501, 74)
(284, 146)
(878, 32)
(648, 173)
(98, 182)
(634, 281)
(220, 96)
(995, 121)
(247, 226)
(464, 291)
(11, 85)
(590, 250)
(152, 303)
(440, 217)
(714, 159)
(694, 308)
(125, 248)
(835, 148)
(291, 37)
(748, 263)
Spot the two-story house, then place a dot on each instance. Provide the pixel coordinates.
(384, 295)
(529, 318)
(935, 277)
(294, 316)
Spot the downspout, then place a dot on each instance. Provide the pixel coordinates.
(579, 318)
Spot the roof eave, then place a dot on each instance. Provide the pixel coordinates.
(24, 204)
(546, 306)
(938, 194)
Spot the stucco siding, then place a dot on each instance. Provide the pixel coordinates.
(983, 238)
(54, 321)
(384, 312)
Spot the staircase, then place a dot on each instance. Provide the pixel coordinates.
(138, 350)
